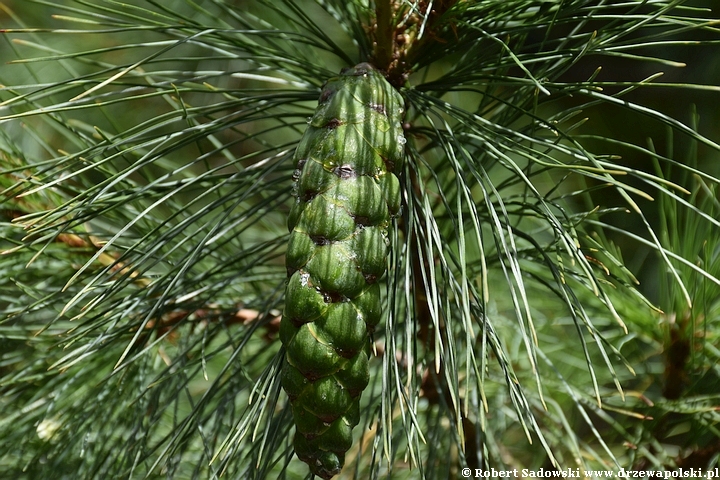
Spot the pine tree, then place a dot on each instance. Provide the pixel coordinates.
(147, 176)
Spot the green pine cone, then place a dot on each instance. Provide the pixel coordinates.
(347, 194)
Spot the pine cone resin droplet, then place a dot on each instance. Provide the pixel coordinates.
(346, 197)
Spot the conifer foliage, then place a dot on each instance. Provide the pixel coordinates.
(528, 275)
